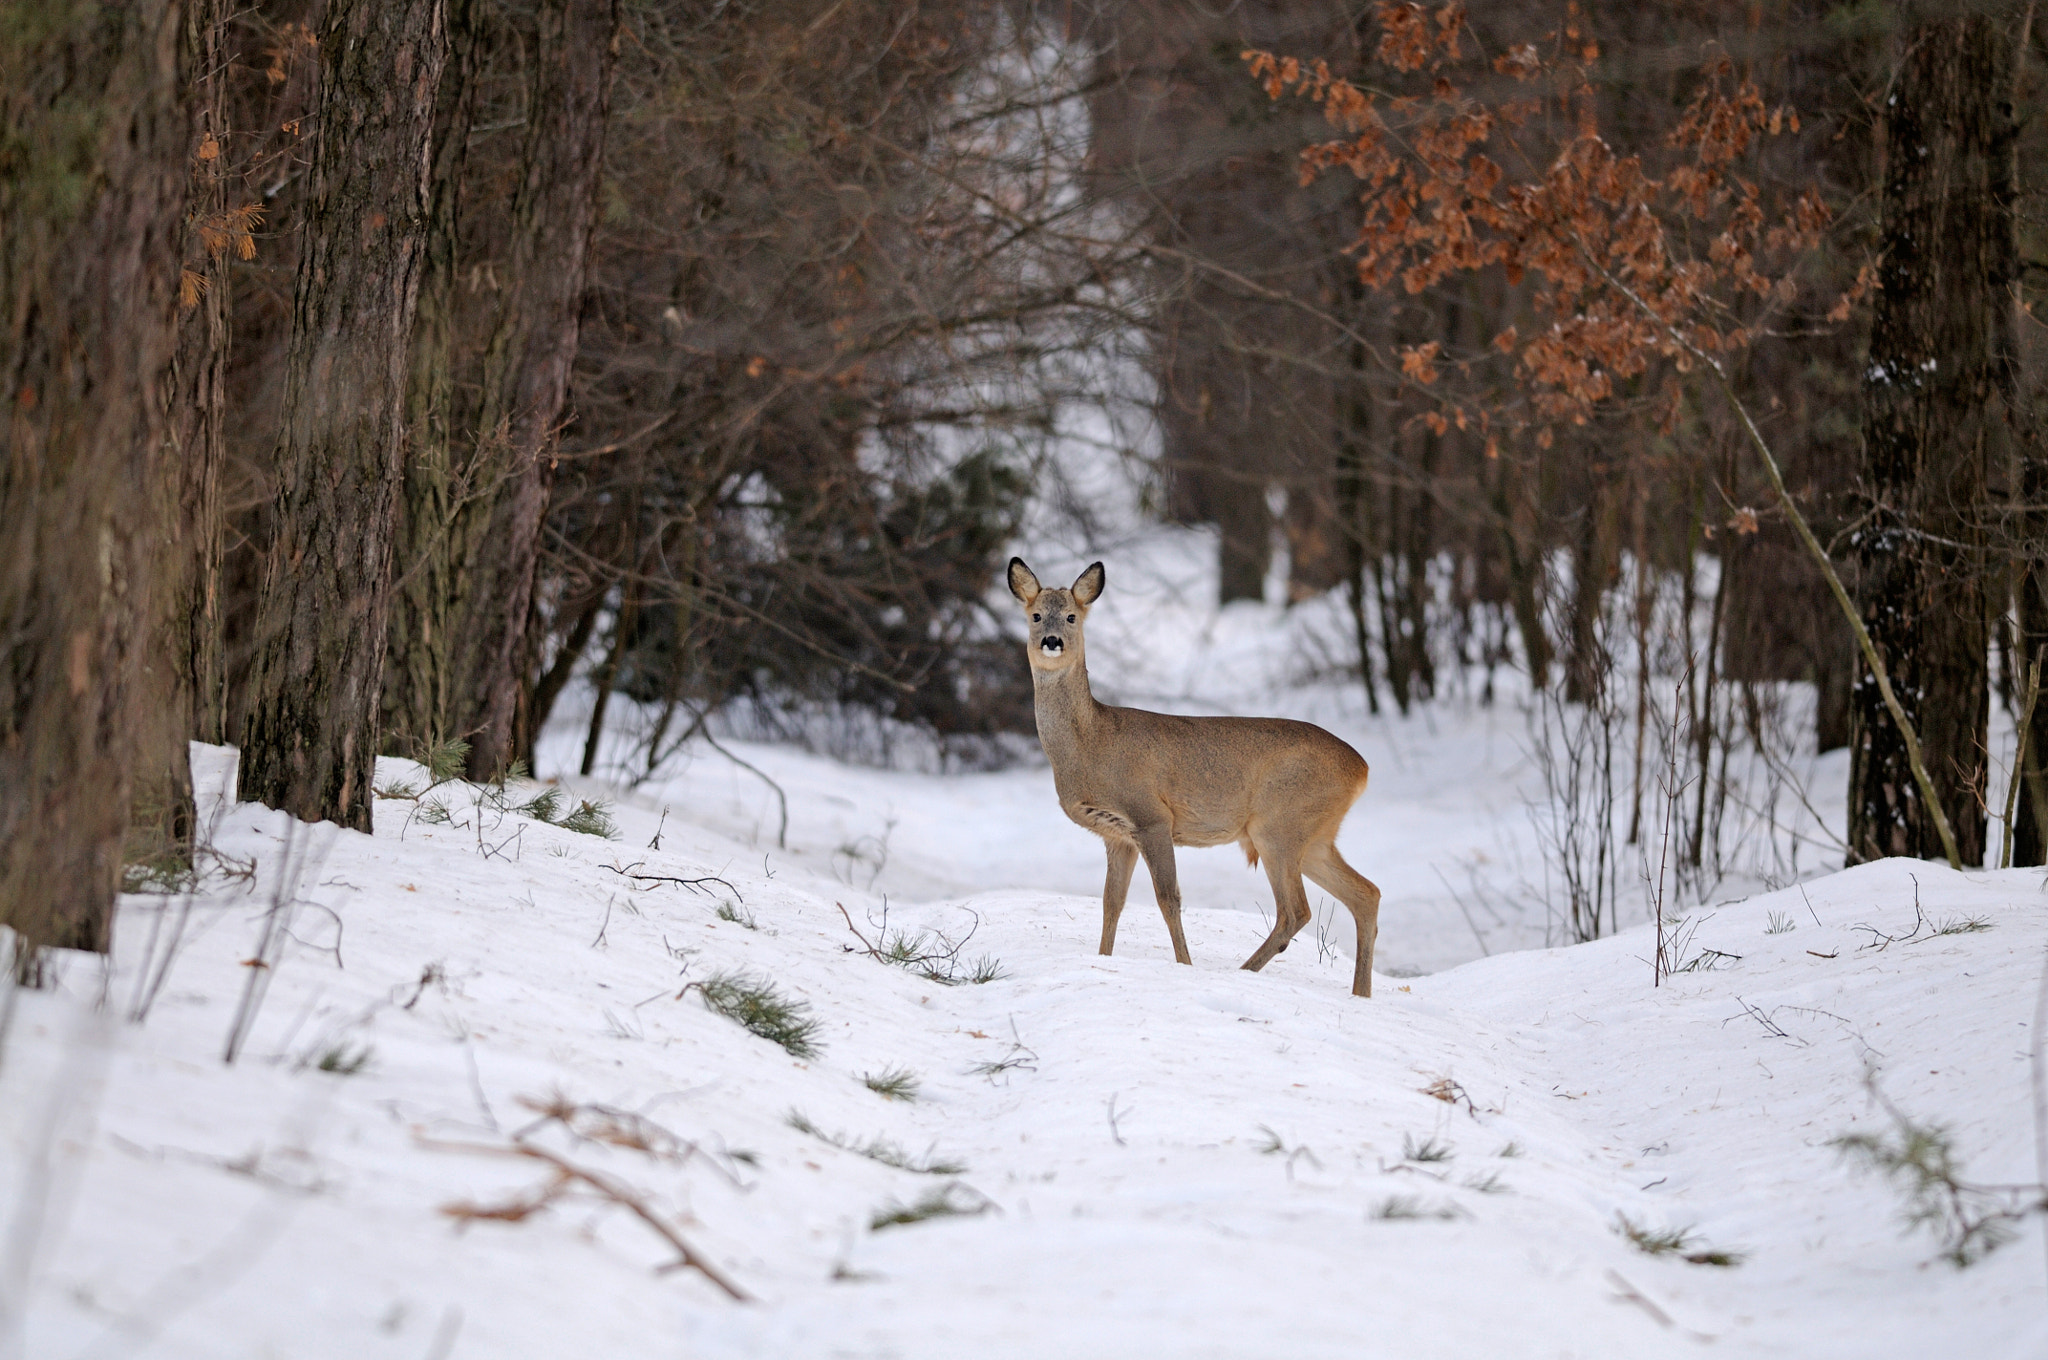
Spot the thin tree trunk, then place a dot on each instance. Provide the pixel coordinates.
(1390, 625)
(1585, 672)
(1355, 502)
(608, 673)
(1418, 547)
(1525, 571)
(1703, 718)
(1354, 497)
(2030, 812)
(2029, 568)
(311, 739)
(91, 228)
(1645, 616)
(555, 679)
(1938, 388)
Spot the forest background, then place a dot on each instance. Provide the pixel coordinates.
(374, 372)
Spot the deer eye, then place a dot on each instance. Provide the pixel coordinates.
(1070, 618)
(1035, 618)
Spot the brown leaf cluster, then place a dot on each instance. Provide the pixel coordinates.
(1632, 265)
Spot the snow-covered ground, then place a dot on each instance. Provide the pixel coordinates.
(1145, 1160)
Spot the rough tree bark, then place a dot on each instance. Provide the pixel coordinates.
(92, 190)
(526, 368)
(309, 745)
(181, 695)
(1936, 394)
(489, 382)
(437, 496)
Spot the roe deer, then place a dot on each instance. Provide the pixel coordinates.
(1146, 782)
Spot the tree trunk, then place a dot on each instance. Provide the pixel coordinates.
(526, 368)
(91, 224)
(181, 697)
(1354, 495)
(2028, 546)
(437, 495)
(310, 743)
(1522, 554)
(2030, 811)
(555, 679)
(1937, 392)
(1587, 661)
(608, 673)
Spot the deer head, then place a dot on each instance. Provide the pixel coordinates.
(1056, 615)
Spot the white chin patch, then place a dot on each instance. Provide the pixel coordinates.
(1051, 647)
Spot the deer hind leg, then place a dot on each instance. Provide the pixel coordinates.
(1290, 904)
(1123, 857)
(1357, 892)
(1156, 845)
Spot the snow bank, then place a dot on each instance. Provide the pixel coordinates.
(1154, 1160)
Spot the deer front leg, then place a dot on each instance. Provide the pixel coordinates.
(1156, 845)
(1123, 858)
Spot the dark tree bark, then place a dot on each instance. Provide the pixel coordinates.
(2028, 542)
(1354, 498)
(91, 223)
(310, 743)
(489, 381)
(437, 498)
(2030, 811)
(526, 368)
(181, 698)
(199, 403)
(1936, 399)
(1522, 553)
(555, 678)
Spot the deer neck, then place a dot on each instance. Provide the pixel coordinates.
(1066, 711)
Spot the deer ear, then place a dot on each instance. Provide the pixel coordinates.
(1022, 583)
(1088, 586)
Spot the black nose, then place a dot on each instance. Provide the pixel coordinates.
(1050, 643)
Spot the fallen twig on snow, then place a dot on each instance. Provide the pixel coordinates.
(694, 884)
(568, 1174)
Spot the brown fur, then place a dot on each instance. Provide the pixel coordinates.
(1146, 782)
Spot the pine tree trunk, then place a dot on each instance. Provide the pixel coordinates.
(1936, 396)
(310, 743)
(92, 192)
(526, 368)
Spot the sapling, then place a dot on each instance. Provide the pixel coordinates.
(1397, 1208)
(1679, 1242)
(875, 1149)
(591, 819)
(1428, 1150)
(344, 1059)
(931, 954)
(754, 1004)
(894, 1083)
(948, 1201)
(1968, 1220)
